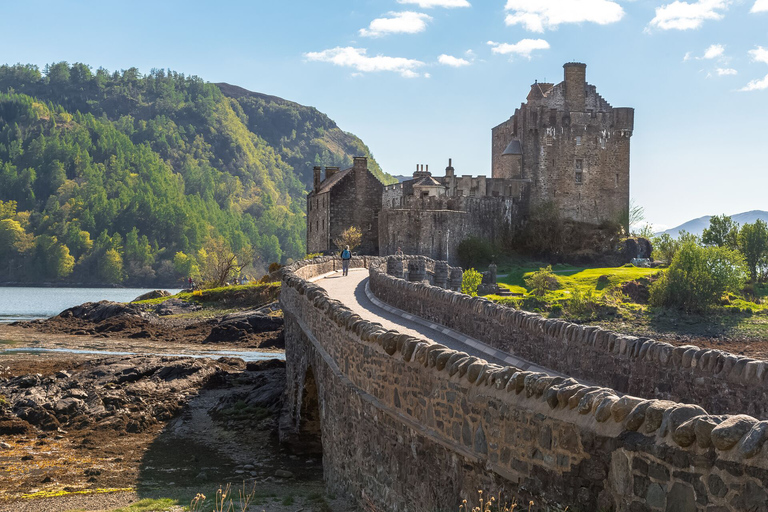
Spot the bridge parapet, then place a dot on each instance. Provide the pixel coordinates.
(719, 381)
(408, 424)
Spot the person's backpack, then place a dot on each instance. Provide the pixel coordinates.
(345, 255)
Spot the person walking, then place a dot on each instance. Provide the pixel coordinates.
(345, 257)
(399, 252)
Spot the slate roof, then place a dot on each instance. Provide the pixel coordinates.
(328, 184)
(514, 148)
(428, 181)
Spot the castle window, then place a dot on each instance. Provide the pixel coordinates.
(578, 140)
(323, 224)
(550, 140)
(459, 192)
(579, 176)
(602, 143)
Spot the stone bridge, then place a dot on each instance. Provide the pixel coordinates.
(418, 396)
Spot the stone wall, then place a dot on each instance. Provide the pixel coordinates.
(410, 425)
(575, 148)
(436, 228)
(718, 381)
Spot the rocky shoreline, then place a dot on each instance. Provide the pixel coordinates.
(88, 432)
(169, 321)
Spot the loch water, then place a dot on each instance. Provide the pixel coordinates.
(29, 303)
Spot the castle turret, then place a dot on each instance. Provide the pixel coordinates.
(575, 86)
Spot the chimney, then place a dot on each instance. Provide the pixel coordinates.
(360, 163)
(449, 170)
(316, 170)
(427, 171)
(330, 171)
(575, 86)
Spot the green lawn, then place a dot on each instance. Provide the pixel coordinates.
(572, 278)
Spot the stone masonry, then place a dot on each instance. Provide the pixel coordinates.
(409, 425)
(566, 147)
(572, 145)
(343, 199)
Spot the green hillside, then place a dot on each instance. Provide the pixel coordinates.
(123, 177)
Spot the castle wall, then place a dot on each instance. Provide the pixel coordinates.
(410, 425)
(434, 227)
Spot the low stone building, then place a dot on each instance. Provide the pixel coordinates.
(340, 200)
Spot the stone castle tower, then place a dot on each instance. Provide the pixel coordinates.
(572, 145)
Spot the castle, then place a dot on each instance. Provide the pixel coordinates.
(565, 147)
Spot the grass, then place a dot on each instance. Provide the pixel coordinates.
(601, 302)
(149, 505)
(226, 298)
(572, 278)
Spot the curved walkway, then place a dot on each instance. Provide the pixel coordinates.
(353, 291)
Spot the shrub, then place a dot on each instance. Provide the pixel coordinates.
(470, 281)
(542, 281)
(473, 252)
(582, 304)
(698, 277)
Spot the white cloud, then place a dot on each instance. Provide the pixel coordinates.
(759, 54)
(357, 59)
(757, 85)
(537, 15)
(684, 15)
(523, 48)
(760, 6)
(405, 22)
(714, 51)
(726, 71)
(688, 56)
(428, 4)
(454, 62)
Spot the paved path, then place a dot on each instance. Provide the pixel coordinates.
(353, 291)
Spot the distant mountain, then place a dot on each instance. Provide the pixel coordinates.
(697, 226)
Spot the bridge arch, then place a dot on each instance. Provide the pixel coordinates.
(309, 438)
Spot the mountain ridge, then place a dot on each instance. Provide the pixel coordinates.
(697, 226)
(121, 177)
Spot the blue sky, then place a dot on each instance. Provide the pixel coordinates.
(424, 80)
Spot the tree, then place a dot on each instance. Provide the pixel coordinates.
(698, 277)
(722, 232)
(349, 237)
(52, 258)
(753, 243)
(111, 267)
(665, 247)
(219, 264)
(470, 280)
(185, 265)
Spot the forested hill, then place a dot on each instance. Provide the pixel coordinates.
(144, 179)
